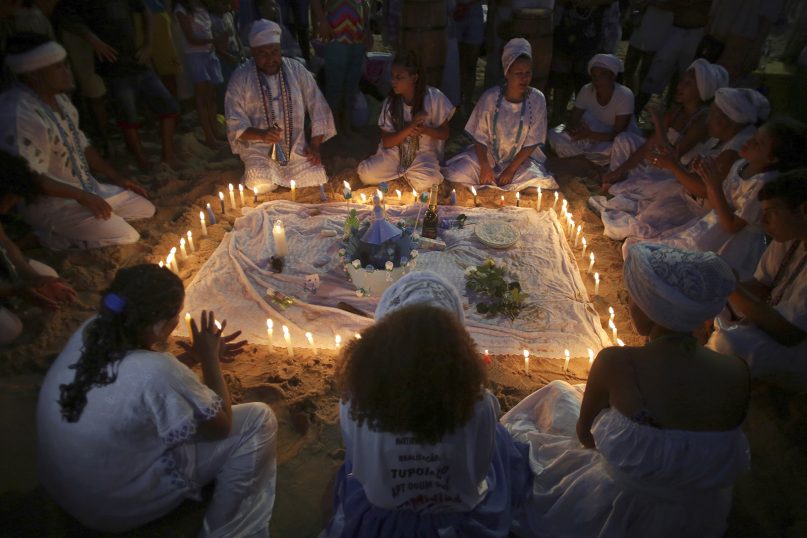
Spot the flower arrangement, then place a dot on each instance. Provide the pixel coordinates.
(494, 295)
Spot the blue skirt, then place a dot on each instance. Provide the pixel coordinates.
(509, 482)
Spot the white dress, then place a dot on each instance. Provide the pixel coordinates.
(244, 108)
(641, 481)
(132, 456)
(424, 171)
(704, 232)
(514, 127)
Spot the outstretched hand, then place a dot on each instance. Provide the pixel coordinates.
(208, 343)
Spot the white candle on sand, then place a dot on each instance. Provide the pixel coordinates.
(473, 191)
(202, 220)
(611, 313)
(337, 340)
(232, 195)
(241, 192)
(357, 336)
(526, 362)
(414, 196)
(577, 235)
(310, 338)
(620, 343)
(363, 198)
(182, 248)
(591, 263)
(398, 193)
(596, 283)
(279, 235)
(270, 330)
(293, 190)
(188, 323)
(217, 324)
(566, 356)
(540, 195)
(556, 200)
(563, 205)
(612, 326)
(221, 200)
(590, 358)
(190, 242)
(518, 199)
(161, 264)
(173, 255)
(501, 201)
(287, 338)
(584, 247)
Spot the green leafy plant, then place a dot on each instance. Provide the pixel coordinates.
(494, 295)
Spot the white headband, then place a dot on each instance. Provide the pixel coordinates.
(743, 105)
(518, 46)
(42, 56)
(264, 32)
(421, 287)
(606, 61)
(709, 78)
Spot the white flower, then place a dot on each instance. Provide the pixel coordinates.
(357, 263)
(414, 253)
(388, 266)
(342, 252)
(359, 292)
(470, 270)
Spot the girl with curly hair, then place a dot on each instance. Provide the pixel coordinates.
(127, 433)
(425, 455)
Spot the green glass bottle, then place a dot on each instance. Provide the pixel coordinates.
(430, 220)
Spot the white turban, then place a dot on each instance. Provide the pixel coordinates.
(421, 287)
(38, 57)
(264, 32)
(677, 289)
(606, 61)
(743, 105)
(709, 77)
(518, 46)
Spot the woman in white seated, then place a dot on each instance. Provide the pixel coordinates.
(507, 125)
(127, 433)
(425, 454)
(414, 126)
(653, 445)
(603, 110)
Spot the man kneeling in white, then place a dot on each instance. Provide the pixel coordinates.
(38, 122)
(265, 105)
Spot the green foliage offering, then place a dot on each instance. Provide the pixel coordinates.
(495, 296)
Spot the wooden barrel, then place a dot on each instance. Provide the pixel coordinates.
(423, 30)
(535, 25)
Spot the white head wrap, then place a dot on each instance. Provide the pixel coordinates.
(264, 32)
(606, 61)
(709, 78)
(677, 289)
(518, 46)
(743, 105)
(38, 57)
(421, 287)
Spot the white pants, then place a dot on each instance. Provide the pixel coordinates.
(244, 466)
(561, 142)
(464, 168)
(63, 224)
(385, 166)
(262, 174)
(10, 323)
(674, 56)
(625, 145)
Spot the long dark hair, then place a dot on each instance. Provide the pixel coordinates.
(138, 297)
(409, 61)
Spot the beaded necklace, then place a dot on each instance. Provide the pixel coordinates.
(791, 252)
(408, 148)
(269, 110)
(520, 131)
(79, 165)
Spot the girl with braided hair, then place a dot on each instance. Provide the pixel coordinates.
(127, 433)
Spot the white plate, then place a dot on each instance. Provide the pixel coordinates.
(496, 234)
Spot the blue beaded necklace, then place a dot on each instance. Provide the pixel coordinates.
(520, 131)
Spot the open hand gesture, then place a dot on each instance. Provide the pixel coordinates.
(207, 342)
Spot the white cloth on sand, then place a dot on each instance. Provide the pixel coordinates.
(29, 130)
(640, 480)
(244, 109)
(464, 167)
(10, 324)
(704, 232)
(132, 456)
(765, 356)
(234, 280)
(424, 171)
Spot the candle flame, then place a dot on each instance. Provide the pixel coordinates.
(556, 195)
(590, 355)
(338, 340)
(231, 187)
(346, 184)
(584, 241)
(202, 215)
(620, 342)
(217, 324)
(181, 241)
(398, 192)
(270, 324)
(611, 325)
(285, 331)
(357, 336)
(189, 235)
(241, 187)
(310, 338)
(161, 264)
(380, 195)
(539, 190)
(486, 352)
(518, 195)
(526, 354)
(221, 195)
(611, 311)
(591, 257)
(597, 278)
(363, 198)
(566, 353)
(173, 251)
(187, 316)
(293, 184)
(473, 191)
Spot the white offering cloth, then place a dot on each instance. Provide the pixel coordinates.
(132, 456)
(464, 168)
(233, 282)
(704, 232)
(639, 481)
(244, 109)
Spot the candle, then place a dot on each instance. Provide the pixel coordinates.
(270, 329)
(221, 200)
(556, 200)
(398, 192)
(584, 246)
(210, 214)
(202, 220)
(287, 338)
(590, 358)
(563, 206)
(501, 201)
(173, 256)
(414, 196)
(363, 198)
(540, 196)
(279, 235)
(190, 241)
(473, 191)
(241, 192)
(182, 248)
(577, 235)
(338, 341)
(232, 195)
(486, 357)
(347, 189)
(217, 324)
(293, 190)
(526, 362)
(310, 338)
(453, 198)
(322, 196)
(620, 342)
(518, 199)
(357, 336)
(380, 195)
(188, 323)
(612, 326)
(611, 313)
(571, 225)
(591, 264)
(596, 283)
(255, 196)
(567, 356)
(161, 264)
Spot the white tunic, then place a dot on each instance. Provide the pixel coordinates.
(484, 125)
(244, 109)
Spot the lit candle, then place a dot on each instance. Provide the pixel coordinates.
(210, 214)
(337, 340)
(611, 313)
(584, 246)
(310, 338)
(357, 336)
(398, 192)
(173, 256)
(563, 206)
(279, 235)
(161, 264)
(591, 264)
(577, 235)
(453, 198)
(287, 338)
(241, 192)
(473, 191)
(293, 190)
(612, 326)
(217, 324)
(556, 200)
(571, 225)
(620, 343)
(347, 188)
(414, 196)
(501, 201)
(540, 196)
(363, 198)
(596, 283)
(182, 248)
(188, 323)
(270, 329)
(255, 196)
(566, 356)
(232, 195)
(202, 220)
(526, 362)
(590, 357)
(380, 195)
(190, 241)
(486, 357)
(518, 199)
(221, 200)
